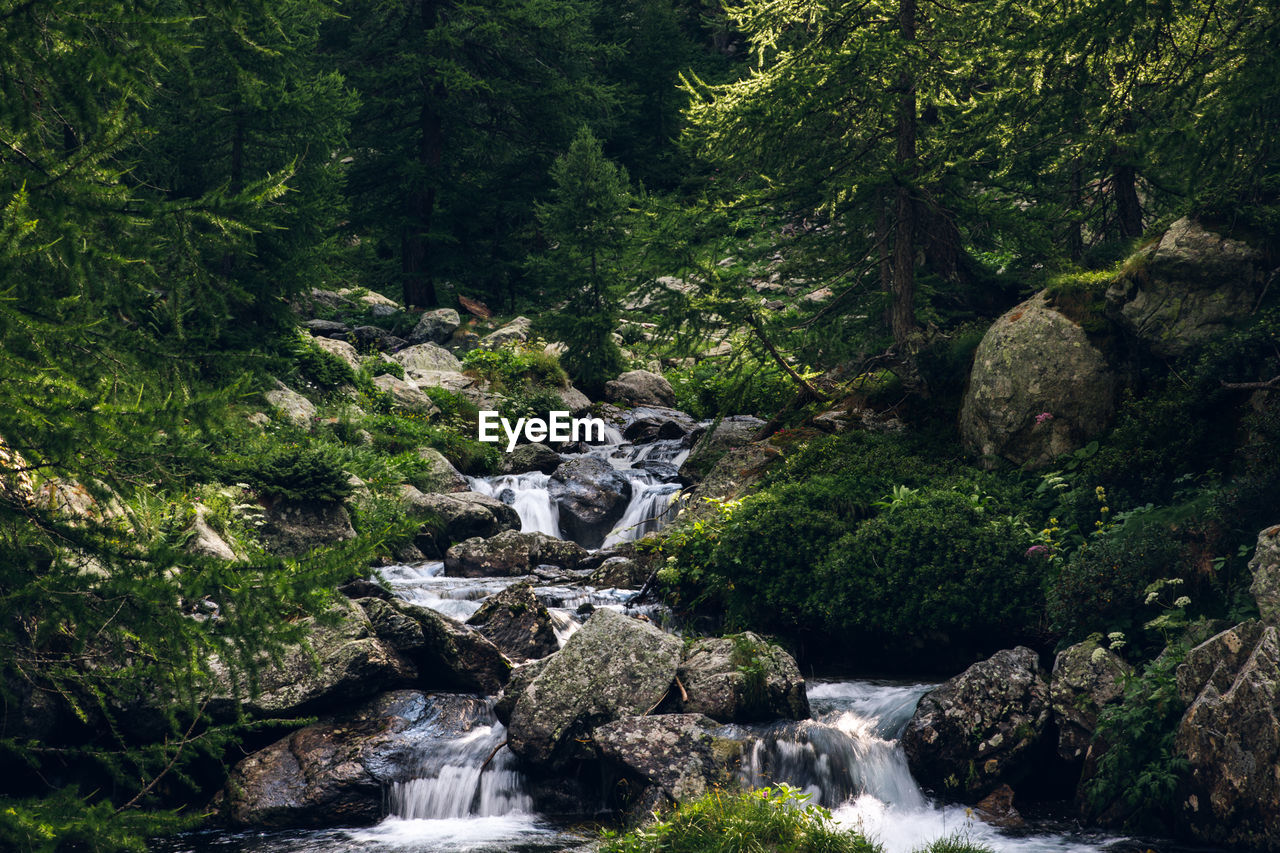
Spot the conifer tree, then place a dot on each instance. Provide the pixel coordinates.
(584, 223)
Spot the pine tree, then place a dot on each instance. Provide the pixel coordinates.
(584, 222)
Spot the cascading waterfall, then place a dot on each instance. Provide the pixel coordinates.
(448, 776)
(849, 759)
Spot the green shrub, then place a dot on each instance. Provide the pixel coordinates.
(941, 559)
(768, 820)
(293, 472)
(721, 386)
(513, 365)
(1141, 770)
(322, 368)
(1101, 587)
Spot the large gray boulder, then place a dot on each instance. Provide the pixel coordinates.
(1265, 567)
(591, 496)
(336, 771)
(1217, 660)
(981, 728)
(292, 527)
(720, 438)
(682, 755)
(530, 457)
(1038, 389)
(742, 679)
(458, 516)
(733, 476)
(447, 653)
(291, 405)
(405, 394)
(510, 554)
(640, 388)
(613, 667)
(1086, 678)
(516, 331)
(342, 659)
(517, 623)
(1230, 736)
(427, 358)
(1193, 285)
(341, 349)
(444, 477)
(435, 326)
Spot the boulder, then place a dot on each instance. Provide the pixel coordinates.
(613, 667)
(619, 573)
(575, 402)
(341, 349)
(448, 654)
(510, 553)
(435, 326)
(425, 358)
(997, 809)
(1191, 286)
(1265, 567)
(640, 388)
(365, 299)
(734, 476)
(291, 405)
(515, 331)
(521, 677)
(405, 394)
(342, 659)
(981, 728)
(683, 755)
(517, 623)
(293, 527)
(530, 457)
(374, 338)
(644, 424)
(1217, 660)
(742, 679)
(1086, 677)
(591, 496)
(1038, 389)
(205, 540)
(336, 771)
(327, 328)
(1231, 739)
(718, 439)
(444, 477)
(460, 515)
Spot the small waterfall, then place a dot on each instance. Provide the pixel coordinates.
(447, 775)
(849, 749)
(849, 758)
(528, 496)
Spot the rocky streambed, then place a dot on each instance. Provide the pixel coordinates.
(521, 685)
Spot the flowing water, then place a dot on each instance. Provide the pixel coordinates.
(460, 790)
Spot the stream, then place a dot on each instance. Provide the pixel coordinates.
(847, 757)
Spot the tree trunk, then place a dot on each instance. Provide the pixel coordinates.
(1124, 182)
(903, 320)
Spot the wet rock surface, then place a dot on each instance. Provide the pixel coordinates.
(517, 623)
(591, 496)
(1086, 677)
(742, 679)
(981, 728)
(613, 667)
(446, 653)
(682, 755)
